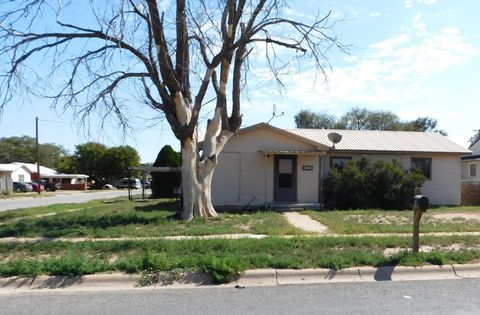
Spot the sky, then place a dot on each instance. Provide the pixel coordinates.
(415, 58)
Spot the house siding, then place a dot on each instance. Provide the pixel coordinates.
(21, 171)
(245, 177)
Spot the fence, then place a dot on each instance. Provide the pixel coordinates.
(470, 193)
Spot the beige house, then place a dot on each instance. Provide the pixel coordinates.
(265, 165)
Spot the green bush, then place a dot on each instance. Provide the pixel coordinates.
(363, 184)
(165, 184)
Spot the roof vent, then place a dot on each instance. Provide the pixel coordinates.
(335, 138)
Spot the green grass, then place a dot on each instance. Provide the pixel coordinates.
(381, 221)
(121, 217)
(223, 259)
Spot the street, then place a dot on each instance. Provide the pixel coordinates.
(401, 297)
(63, 197)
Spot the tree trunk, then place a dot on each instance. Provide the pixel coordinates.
(196, 183)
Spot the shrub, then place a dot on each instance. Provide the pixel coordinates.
(165, 184)
(363, 184)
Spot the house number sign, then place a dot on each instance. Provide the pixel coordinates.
(307, 167)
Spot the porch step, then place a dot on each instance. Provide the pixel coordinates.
(294, 206)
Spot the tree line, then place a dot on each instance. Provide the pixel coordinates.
(96, 160)
(363, 119)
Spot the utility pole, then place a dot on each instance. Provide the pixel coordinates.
(38, 155)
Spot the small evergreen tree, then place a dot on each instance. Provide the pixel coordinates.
(165, 184)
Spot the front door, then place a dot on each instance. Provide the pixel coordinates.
(285, 183)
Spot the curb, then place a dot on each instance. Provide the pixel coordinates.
(251, 278)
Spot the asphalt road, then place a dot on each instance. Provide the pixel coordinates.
(61, 197)
(409, 297)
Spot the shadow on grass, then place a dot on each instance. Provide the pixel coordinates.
(163, 205)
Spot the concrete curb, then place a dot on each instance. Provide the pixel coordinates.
(256, 277)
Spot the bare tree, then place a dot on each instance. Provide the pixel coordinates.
(169, 55)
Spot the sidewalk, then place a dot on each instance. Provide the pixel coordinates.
(219, 236)
(257, 277)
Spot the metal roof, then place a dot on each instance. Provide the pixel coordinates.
(293, 152)
(383, 141)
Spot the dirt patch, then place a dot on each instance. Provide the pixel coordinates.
(427, 249)
(378, 219)
(456, 216)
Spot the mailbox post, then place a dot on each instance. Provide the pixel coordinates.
(420, 205)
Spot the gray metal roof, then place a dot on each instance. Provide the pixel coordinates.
(383, 141)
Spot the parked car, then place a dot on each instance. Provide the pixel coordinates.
(36, 187)
(22, 187)
(132, 183)
(49, 186)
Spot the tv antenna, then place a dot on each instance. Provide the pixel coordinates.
(274, 113)
(335, 138)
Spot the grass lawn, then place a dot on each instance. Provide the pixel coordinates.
(223, 258)
(120, 217)
(445, 219)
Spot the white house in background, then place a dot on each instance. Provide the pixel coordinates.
(66, 181)
(10, 173)
(265, 165)
(471, 164)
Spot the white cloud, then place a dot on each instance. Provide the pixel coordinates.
(374, 14)
(419, 26)
(394, 71)
(410, 3)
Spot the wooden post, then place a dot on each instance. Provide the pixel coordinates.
(420, 205)
(417, 215)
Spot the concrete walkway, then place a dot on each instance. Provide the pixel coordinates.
(218, 236)
(304, 222)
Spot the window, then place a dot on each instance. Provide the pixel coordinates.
(339, 162)
(21, 178)
(423, 165)
(473, 170)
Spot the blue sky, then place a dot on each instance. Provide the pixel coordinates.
(412, 57)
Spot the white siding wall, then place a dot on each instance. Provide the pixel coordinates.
(442, 189)
(21, 171)
(466, 170)
(244, 176)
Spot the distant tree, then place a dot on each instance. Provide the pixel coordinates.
(90, 159)
(426, 124)
(475, 137)
(101, 163)
(118, 160)
(164, 184)
(67, 165)
(23, 149)
(309, 119)
(364, 119)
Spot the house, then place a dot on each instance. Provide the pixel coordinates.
(265, 165)
(471, 163)
(471, 176)
(10, 173)
(65, 181)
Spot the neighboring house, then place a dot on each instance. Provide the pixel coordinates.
(471, 163)
(66, 181)
(265, 165)
(10, 173)
(471, 176)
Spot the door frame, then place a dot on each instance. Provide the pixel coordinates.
(276, 191)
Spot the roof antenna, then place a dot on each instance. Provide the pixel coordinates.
(274, 113)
